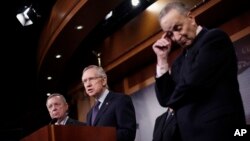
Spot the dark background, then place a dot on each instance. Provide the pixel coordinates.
(21, 111)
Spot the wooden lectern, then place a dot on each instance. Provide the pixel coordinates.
(72, 133)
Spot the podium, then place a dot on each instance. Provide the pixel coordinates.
(72, 133)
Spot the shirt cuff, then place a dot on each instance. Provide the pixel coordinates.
(160, 70)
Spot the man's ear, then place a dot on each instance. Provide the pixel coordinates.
(190, 15)
(104, 83)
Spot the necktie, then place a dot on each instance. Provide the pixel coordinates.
(95, 111)
(170, 113)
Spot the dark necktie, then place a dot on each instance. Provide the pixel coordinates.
(170, 113)
(95, 111)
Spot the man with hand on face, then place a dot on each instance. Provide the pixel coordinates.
(110, 109)
(201, 85)
(58, 110)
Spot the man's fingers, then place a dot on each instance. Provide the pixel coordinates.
(163, 36)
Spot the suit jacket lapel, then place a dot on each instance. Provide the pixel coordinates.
(104, 107)
(167, 121)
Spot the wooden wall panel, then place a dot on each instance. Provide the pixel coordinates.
(61, 14)
(135, 32)
(236, 24)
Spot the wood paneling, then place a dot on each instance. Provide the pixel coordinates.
(61, 14)
(59, 34)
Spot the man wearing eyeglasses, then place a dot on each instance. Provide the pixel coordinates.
(111, 109)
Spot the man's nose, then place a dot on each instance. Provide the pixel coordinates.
(177, 36)
(54, 108)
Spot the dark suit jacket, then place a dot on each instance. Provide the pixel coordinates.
(117, 111)
(203, 89)
(166, 129)
(71, 121)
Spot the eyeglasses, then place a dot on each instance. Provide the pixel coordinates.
(90, 79)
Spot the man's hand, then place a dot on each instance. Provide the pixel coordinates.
(162, 46)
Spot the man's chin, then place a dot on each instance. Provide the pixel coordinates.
(91, 94)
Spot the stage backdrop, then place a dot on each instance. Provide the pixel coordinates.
(147, 109)
(243, 53)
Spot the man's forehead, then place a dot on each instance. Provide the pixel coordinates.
(89, 72)
(170, 20)
(54, 99)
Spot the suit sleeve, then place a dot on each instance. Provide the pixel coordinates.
(126, 119)
(164, 87)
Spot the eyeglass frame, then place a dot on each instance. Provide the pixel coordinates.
(91, 79)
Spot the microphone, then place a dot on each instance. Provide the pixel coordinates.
(53, 121)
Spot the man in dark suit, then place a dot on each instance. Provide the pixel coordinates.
(113, 109)
(58, 110)
(166, 128)
(201, 86)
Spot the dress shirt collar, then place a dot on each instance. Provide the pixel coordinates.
(63, 121)
(198, 30)
(102, 97)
